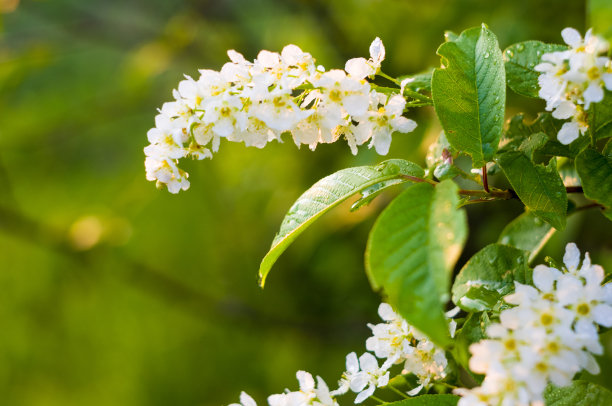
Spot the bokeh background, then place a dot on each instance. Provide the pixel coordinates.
(115, 293)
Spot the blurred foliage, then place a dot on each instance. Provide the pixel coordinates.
(116, 293)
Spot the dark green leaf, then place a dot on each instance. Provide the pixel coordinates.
(527, 232)
(579, 393)
(427, 400)
(473, 330)
(411, 251)
(420, 81)
(469, 93)
(600, 117)
(539, 187)
(489, 275)
(595, 171)
(520, 59)
(604, 378)
(328, 193)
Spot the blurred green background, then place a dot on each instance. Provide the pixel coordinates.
(115, 293)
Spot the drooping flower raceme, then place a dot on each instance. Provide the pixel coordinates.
(573, 79)
(257, 102)
(549, 336)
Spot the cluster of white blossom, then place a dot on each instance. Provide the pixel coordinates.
(573, 79)
(256, 102)
(309, 394)
(549, 335)
(395, 341)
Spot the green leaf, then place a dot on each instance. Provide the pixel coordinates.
(604, 378)
(370, 193)
(579, 393)
(520, 59)
(427, 400)
(595, 171)
(528, 233)
(326, 194)
(469, 93)
(473, 330)
(600, 117)
(411, 251)
(600, 17)
(539, 187)
(488, 276)
(420, 81)
(519, 130)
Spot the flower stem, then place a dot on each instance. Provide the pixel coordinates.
(399, 392)
(382, 402)
(384, 75)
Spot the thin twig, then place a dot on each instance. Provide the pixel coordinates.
(485, 180)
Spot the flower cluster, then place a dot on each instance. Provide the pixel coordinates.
(573, 79)
(256, 102)
(549, 335)
(396, 342)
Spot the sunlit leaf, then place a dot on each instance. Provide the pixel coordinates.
(539, 187)
(488, 276)
(520, 59)
(527, 232)
(579, 393)
(326, 194)
(469, 93)
(411, 252)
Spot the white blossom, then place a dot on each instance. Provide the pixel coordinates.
(573, 79)
(245, 400)
(548, 337)
(260, 101)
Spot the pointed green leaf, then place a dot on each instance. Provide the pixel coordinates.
(539, 187)
(579, 393)
(411, 251)
(427, 400)
(488, 276)
(595, 171)
(527, 232)
(328, 193)
(520, 59)
(469, 93)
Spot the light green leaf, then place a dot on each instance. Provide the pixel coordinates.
(520, 59)
(539, 187)
(328, 193)
(488, 276)
(595, 171)
(600, 117)
(527, 232)
(411, 251)
(427, 400)
(579, 393)
(370, 193)
(469, 93)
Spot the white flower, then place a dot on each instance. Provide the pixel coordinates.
(362, 376)
(260, 101)
(309, 393)
(379, 124)
(574, 79)
(245, 400)
(359, 68)
(548, 337)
